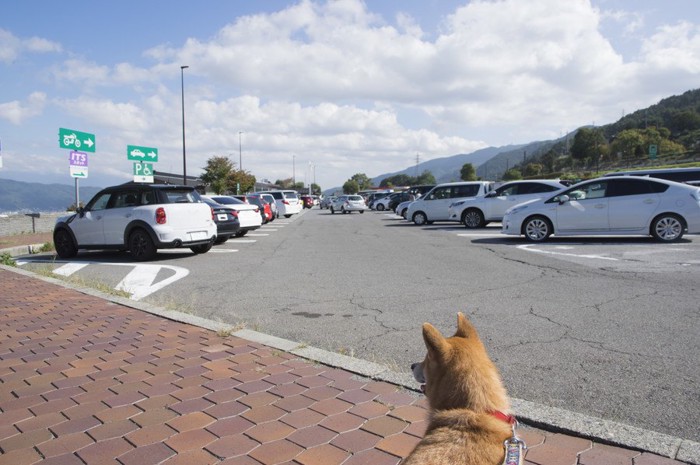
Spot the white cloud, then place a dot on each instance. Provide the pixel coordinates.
(16, 112)
(11, 47)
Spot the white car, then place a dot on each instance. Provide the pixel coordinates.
(248, 215)
(610, 206)
(140, 218)
(479, 211)
(287, 202)
(433, 206)
(402, 208)
(348, 204)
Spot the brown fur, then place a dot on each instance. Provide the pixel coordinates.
(462, 385)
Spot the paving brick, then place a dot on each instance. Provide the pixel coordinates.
(276, 452)
(66, 444)
(651, 459)
(331, 406)
(270, 431)
(558, 450)
(190, 440)
(263, 413)
(294, 402)
(113, 429)
(369, 410)
(65, 459)
(41, 422)
(104, 451)
(231, 446)
(399, 444)
(342, 422)
(150, 434)
(384, 426)
(312, 436)
(302, 418)
(356, 441)
(321, 393)
(191, 457)
(192, 405)
(372, 457)
(324, 454)
(226, 409)
(259, 399)
(195, 420)
(230, 426)
(151, 454)
(26, 456)
(409, 413)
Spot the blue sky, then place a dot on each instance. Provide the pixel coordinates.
(343, 86)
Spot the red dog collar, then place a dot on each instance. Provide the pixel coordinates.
(510, 419)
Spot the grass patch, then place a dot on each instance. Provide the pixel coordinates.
(7, 260)
(47, 247)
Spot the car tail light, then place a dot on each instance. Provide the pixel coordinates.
(234, 213)
(257, 210)
(286, 202)
(213, 215)
(160, 216)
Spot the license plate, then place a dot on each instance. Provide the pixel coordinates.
(222, 216)
(198, 235)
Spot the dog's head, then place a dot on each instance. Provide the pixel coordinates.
(457, 372)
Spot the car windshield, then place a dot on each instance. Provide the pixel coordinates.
(354, 197)
(181, 196)
(291, 195)
(228, 200)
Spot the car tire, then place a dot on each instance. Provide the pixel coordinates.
(141, 245)
(537, 228)
(63, 242)
(403, 212)
(380, 207)
(287, 216)
(420, 219)
(332, 211)
(241, 233)
(361, 212)
(220, 240)
(473, 218)
(202, 248)
(667, 227)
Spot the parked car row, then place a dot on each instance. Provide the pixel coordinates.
(142, 218)
(631, 204)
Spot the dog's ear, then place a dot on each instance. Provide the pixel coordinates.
(434, 341)
(464, 327)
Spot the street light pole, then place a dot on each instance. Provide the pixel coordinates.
(240, 152)
(184, 158)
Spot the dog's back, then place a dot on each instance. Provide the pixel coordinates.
(468, 402)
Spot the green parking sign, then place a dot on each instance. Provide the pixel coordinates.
(74, 140)
(653, 149)
(139, 153)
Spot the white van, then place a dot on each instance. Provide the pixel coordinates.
(287, 202)
(434, 205)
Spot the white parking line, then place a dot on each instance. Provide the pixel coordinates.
(69, 268)
(244, 241)
(139, 282)
(480, 235)
(529, 248)
(223, 250)
(261, 235)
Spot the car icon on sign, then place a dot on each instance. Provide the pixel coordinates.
(137, 153)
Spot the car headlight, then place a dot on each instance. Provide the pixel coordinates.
(516, 209)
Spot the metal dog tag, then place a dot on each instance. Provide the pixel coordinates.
(515, 451)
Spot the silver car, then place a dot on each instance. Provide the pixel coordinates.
(348, 204)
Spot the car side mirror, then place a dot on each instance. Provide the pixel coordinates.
(491, 194)
(563, 199)
(80, 211)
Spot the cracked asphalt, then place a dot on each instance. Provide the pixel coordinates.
(607, 328)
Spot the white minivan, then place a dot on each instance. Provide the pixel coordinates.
(287, 202)
(434, 205)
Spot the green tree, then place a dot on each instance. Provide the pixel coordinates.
(627, 143)
(351, 187)
(285, 183)
(362, 181)
(589, 144)
(532, 169)
(426, 177)
(315, 188)
(468, 172)
(512, 174)
(240, 182)
(216, 173)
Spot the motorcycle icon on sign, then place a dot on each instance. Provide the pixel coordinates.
(71, 139)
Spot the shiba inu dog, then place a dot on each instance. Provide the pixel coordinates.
(469, 420)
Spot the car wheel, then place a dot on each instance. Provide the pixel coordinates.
(141, 245)
(361, 212)
(342, 210)
(332, 211)
(667, 227)
(420, 219)
(287, 216)
(241, 233)
(473, 219)
(403, 212)
(380, 207)
(221, 239)
(201, 248)
(537, 229)
(63, 242)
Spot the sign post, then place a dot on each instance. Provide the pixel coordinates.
(74, 140)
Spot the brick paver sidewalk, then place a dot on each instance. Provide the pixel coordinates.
(87, 381)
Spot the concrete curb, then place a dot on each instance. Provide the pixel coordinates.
(537, 415)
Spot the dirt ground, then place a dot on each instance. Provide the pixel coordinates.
(25, 239)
